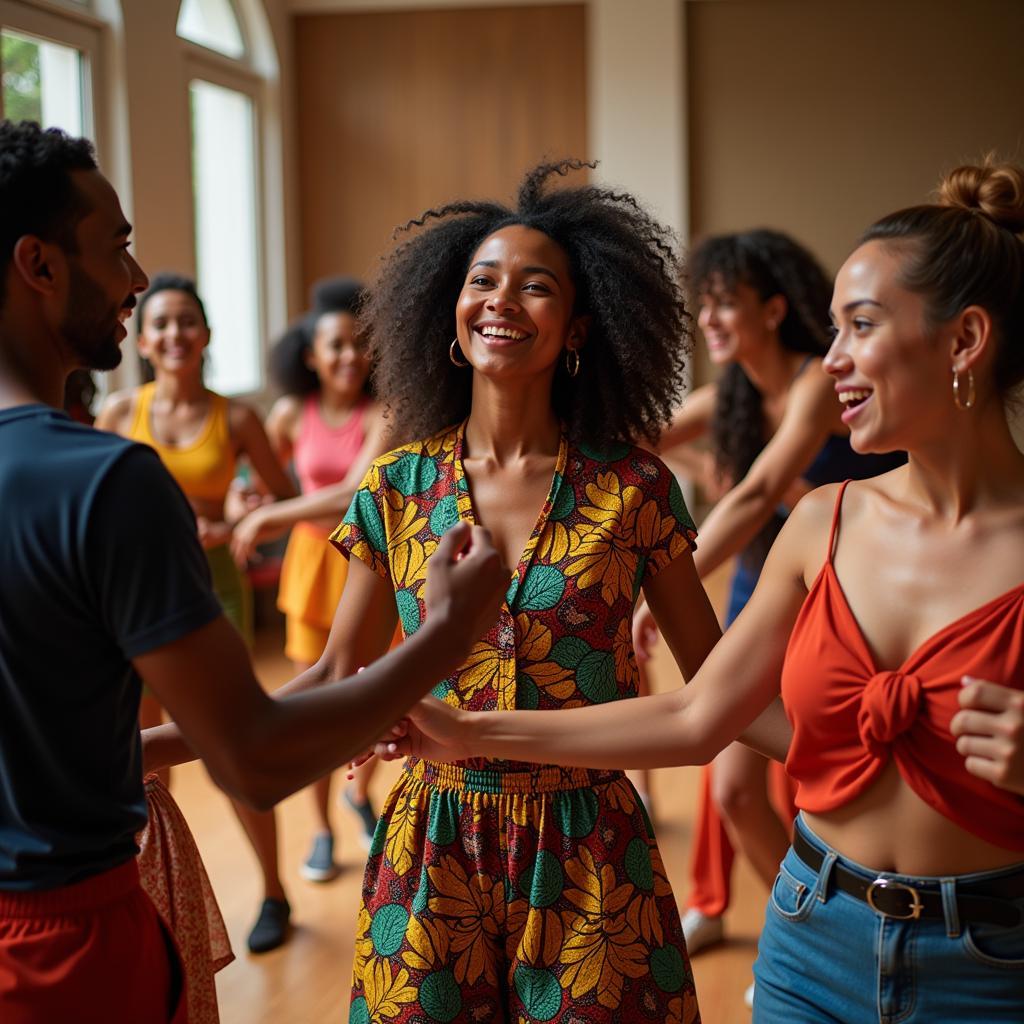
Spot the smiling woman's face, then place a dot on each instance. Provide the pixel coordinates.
(514, 315)
(892, 373)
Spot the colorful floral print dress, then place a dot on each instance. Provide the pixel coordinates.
(502, 891)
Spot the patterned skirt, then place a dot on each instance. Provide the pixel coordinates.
(518, 896)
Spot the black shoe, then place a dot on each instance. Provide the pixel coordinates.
(366, 814)
(271, 927)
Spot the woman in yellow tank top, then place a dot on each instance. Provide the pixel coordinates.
(200, 435)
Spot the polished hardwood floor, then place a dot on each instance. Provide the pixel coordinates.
(306, 980)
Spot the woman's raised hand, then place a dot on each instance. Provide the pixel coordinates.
(990, 732)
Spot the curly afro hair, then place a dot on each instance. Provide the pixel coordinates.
(288, 366)
(627, 276)
(772, 264)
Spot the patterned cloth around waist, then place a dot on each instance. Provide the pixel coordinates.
(501, 780)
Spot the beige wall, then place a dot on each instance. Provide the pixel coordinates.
(819, 117)
(400, 111)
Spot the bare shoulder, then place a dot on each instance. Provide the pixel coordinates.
(803, 541)
(242, 417)
(116, 411)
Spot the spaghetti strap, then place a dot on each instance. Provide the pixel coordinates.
(835, 521)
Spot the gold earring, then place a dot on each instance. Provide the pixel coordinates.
(572, 367)
(453, 357)
(963, 404)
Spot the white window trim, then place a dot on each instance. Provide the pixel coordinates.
(79, 29)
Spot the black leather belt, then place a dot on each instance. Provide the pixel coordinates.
(980, 902)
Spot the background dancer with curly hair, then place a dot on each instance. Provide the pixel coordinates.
(775, 432)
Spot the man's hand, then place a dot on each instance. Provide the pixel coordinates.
(645, 633)
(990, 732)
(466, 583)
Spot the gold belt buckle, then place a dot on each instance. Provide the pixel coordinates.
(916, 906)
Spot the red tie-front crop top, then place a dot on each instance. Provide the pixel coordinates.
(849, 718)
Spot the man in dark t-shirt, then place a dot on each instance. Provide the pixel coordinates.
(103, 584)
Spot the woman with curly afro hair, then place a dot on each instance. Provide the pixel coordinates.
(520, 351)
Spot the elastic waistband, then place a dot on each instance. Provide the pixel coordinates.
(90, 894)
(542, 779)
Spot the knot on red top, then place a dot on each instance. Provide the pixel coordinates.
(888, 707)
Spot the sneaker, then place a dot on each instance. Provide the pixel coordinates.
(366, 814)
(748, 996)
(319, 866)
(271, 927)
(700, 930)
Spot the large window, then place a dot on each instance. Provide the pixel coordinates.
(224, 96)
(227, 246)
(42, 81)
(48, 65)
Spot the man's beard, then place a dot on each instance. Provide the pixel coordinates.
(90, 325)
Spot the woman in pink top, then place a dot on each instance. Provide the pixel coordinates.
(902, 898)
(329, 427)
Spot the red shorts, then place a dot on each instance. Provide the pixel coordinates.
(94, 951)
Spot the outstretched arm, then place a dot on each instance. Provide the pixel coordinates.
(268, 522)
(262, 749)
(737, 681)
(812, 413)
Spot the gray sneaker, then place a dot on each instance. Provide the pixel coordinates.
(319, 866)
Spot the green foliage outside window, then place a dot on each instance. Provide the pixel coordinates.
(22, 81)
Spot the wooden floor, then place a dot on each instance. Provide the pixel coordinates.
(306, 981)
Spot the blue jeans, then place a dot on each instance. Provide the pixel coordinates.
(825, 956)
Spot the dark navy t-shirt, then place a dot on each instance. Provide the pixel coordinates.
(99, 563)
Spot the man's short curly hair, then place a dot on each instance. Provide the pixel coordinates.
(627, 274)
(37, 194)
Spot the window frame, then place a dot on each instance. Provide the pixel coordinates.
(80, 29)
(239, 75)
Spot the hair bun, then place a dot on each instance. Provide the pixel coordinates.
(993, 189)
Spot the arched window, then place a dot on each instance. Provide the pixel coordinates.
(213, 24)
(228, 77)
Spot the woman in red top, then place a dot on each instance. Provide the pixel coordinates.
(903, 895)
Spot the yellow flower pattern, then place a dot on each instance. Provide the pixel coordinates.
(505, 890)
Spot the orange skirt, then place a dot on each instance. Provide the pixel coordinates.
(312, 578)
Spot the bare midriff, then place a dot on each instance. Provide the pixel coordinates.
(890, 828)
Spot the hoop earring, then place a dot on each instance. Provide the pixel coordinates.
(963, 404)
(453, 357)
(574, 366)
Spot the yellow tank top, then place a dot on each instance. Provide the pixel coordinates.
(204, 468)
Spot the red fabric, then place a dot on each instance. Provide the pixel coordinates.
(92, 953)
(849, 717)
(713, 853)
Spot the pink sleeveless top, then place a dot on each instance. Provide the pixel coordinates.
(324, 455)
(850, 717)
